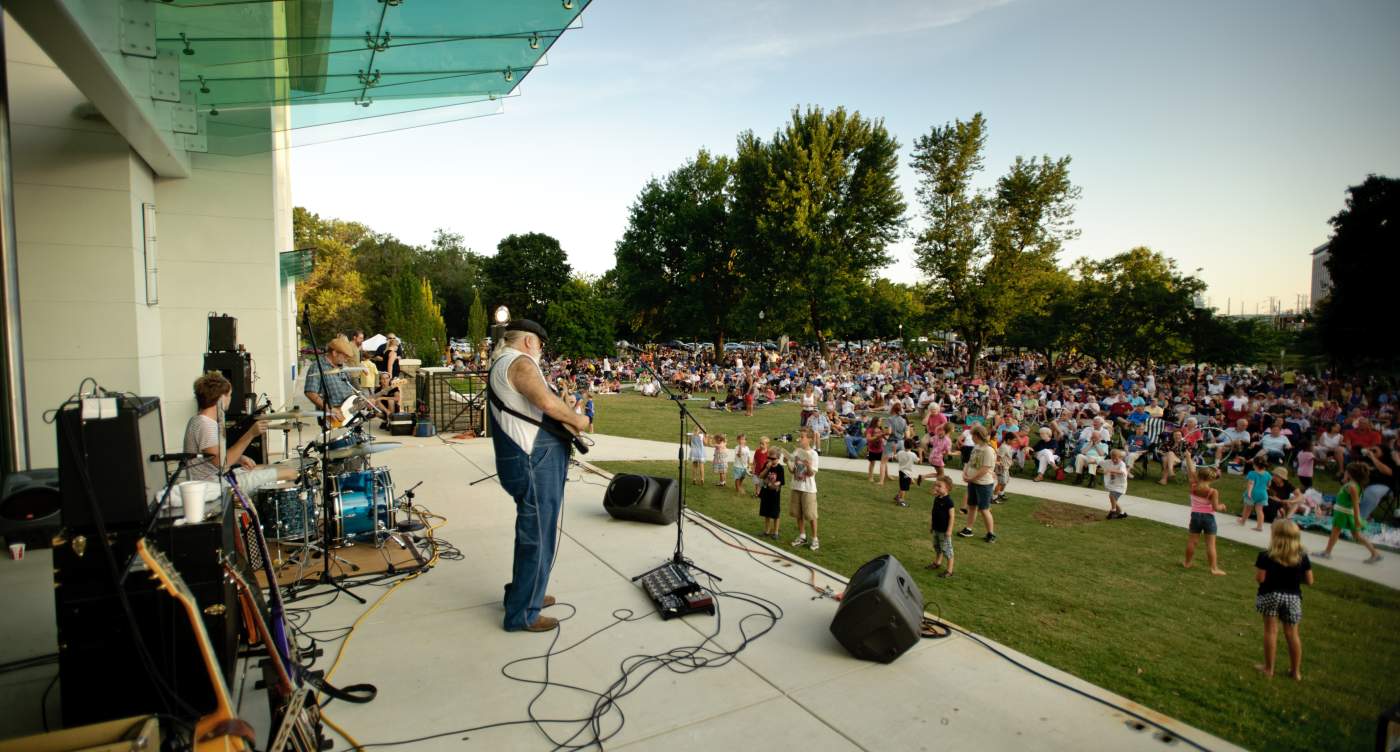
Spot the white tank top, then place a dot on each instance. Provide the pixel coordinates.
(519, 431)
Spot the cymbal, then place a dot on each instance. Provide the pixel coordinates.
(361, 450)
(287, 424)
(291, 414)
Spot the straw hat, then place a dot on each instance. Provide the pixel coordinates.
(1281, 473)
(343, 346)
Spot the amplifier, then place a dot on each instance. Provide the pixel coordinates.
(223, 333)
(116, 453)
(237, 367)
(101, 675)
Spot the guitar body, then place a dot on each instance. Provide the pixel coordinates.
(221, 730)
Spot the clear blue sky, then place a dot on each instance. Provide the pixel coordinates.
(1220, 132)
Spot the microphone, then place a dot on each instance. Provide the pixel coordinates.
(175, 457)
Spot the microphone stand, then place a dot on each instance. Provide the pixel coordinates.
(327, 507)
(683, 414)
(155, 516)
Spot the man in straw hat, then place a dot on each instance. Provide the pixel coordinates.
(531, 464)
(337, 387)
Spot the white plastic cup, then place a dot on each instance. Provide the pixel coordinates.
(192, 496)
(16, 551)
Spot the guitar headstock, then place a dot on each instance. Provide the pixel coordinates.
(164, 571)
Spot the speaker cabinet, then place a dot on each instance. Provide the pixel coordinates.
(643, 498)
(237, 367)
(223, 333)
(881, 611)
(115, 453)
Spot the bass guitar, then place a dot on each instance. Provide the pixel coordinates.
(221, 730)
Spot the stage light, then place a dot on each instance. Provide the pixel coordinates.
(502, 315)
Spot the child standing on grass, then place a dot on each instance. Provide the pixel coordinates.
(760, 465)
(1205, 502)
(1281, 572)
(804, 489)
(721, 459)
(874, 449)
(1345, 512)
(743, 459)
(770, 494)
(942, 524)
(1306, 459)
(1006, 454)
(1256, 491)
(905, 458)
(588, 408)
(1115, 482)
(697, 457)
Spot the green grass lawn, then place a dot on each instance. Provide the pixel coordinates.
(632, 415)
(1110, 602)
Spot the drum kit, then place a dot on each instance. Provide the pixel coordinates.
(364, 508)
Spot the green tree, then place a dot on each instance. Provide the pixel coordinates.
(1140, 305)
(987, 254)
(578, 325)
(1054, 332)
(678, 265)
(334, 292)
(455, 273)
(1364, 265)
(525, 274)
(411, 312)
(884, 309)
(476, 321)
(818, 204)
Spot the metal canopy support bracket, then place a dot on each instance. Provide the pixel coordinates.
(165, 77)
(138, 28)
(63, 38)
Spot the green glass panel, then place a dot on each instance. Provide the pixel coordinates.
(333, 62)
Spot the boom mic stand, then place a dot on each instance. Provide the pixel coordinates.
(683, 414)
(327, 507)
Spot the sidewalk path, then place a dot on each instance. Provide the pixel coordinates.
(1346, 557)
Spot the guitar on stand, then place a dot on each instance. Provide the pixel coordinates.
(221, 730)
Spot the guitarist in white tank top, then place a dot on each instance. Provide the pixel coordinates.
(531, 465)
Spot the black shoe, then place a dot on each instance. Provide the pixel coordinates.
(990, 538)
(1122, 515)
(965, 533)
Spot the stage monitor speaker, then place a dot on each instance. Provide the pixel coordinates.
(223, 333)
(116, 453)
(643, 498)
(237, 367)
(881, 612)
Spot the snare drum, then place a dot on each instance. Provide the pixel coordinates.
(286, 510)
(361, 499)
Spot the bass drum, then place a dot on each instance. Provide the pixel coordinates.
(363, 501)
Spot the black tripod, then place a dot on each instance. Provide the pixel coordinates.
(327, 505)
(683, 414)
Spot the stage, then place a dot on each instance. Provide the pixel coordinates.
(435, 649)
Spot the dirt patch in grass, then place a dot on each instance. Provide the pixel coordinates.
(1055, 514)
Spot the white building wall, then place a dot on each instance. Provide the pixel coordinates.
(1321, 278)
(79, 190)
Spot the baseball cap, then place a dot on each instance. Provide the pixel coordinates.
(526, 325)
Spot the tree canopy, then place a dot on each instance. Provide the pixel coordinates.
(526, 274)
(1364, 265)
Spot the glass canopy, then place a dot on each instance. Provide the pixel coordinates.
(256, 70)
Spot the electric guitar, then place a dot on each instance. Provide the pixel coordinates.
(257, 549)
(221, 730)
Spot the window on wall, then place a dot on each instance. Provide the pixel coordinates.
(148, 249)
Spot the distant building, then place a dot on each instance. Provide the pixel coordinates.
(1321, 279)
